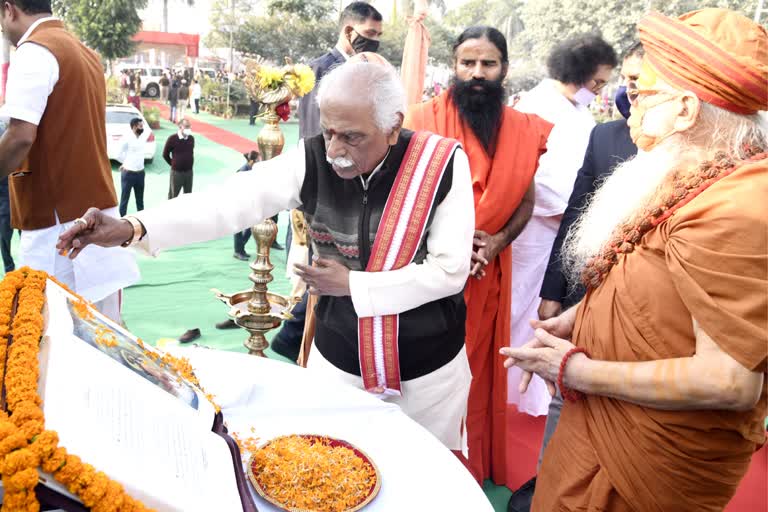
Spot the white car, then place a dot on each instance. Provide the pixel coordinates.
(150, 78)
(119, 127)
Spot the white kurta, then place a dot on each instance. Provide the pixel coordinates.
(530, 251)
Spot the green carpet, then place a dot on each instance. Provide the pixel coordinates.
(174, 292)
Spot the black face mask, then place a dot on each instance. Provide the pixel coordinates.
(139, 131)
(363, 44)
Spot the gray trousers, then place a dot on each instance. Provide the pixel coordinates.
(553, 417)
(180, 181)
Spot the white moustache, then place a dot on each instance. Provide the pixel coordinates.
(340, 162)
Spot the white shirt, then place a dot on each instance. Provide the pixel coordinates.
(342, 52)
(247, 198)
(132, 151)
(97, 272)
(566, 145)
(197, 92)
(32, 74)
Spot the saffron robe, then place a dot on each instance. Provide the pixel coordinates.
(499, 182)
(709, 262)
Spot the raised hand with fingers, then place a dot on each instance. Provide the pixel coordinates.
(94, 227)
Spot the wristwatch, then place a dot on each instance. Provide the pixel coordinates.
(138, 231)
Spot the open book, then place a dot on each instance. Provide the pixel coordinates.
(129, 416)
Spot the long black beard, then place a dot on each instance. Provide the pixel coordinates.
(480, 109)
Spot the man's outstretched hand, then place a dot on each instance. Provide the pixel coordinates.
(94, 228)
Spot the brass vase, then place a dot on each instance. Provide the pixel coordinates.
(270, 139)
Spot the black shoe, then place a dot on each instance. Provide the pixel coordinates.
(242, 256)
(521, 499)
(190, 335)
(276, 246)
(227, 324)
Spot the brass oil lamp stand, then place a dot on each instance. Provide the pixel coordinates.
(258, 311)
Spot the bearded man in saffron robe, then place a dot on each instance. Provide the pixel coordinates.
(665, 369)
(503, 147)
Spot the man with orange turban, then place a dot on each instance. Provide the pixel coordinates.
(663, 363)
(503, 147)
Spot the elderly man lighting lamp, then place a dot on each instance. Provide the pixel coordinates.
(390, 218)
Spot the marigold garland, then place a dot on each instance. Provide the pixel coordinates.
(24, 444)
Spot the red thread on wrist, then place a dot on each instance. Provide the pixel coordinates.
(569, 394)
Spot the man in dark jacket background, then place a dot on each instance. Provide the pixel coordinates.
(360, 30)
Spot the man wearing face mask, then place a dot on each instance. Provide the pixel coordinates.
(131, 158)
(609, 146)
(578, 68)
(55, 151)
(361, 29)
(390, 314)
(179, 153)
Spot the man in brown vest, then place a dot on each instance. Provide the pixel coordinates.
(55, 150)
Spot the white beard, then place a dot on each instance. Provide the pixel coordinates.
(624, 194)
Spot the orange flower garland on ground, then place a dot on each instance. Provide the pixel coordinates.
(24, 444)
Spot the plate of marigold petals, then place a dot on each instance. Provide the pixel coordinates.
(312, 473)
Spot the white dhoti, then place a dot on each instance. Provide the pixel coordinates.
(530, 255)
(98, 274)
(437, 401)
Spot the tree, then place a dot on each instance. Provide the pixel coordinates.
(394, 38)
(276, 37)
(104, 25)
(223, 18)
(307, 9)
(299, 29)
(546, 22)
